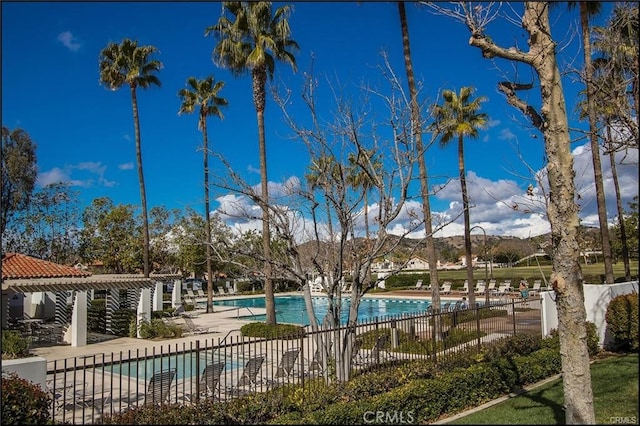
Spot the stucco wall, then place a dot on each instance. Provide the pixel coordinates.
(596, 300)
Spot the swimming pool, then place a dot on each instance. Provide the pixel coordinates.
(291, 309)
(185, 365)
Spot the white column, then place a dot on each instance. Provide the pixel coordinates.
(176, 294)
(79, 320)
(144, 308)
(157, 296)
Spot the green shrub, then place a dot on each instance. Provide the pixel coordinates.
(97, 316)
(156, 328)
(593, 340)
(279, 331)
(622, 322)
(121, 320)
(14, 345)
(23, 403)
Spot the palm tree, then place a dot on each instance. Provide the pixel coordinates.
(252, 42)
(424, 180)
(588, 9)
(459, 117)
(362, 172)
(129, 64)
(203, 94)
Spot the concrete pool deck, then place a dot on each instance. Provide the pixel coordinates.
(225, 320)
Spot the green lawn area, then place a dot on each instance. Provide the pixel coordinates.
(536, 272)
(615, 391)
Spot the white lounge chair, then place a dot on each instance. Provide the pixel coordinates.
(465, 288)
(418, 285)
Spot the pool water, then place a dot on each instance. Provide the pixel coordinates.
(185, 365)
(291, 309)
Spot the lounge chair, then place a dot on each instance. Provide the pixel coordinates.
(209, 381)
(317, 364)
(356, 357)
(231, 291)
(192, 328)
(465, 288)
(418, 285)
(535, 289)
(379, 353)
(221, 291)
(479, 289)
(249, 379)
(286, 366)
(159, 387)
(492, 287)
(201, 293)
(446, 288)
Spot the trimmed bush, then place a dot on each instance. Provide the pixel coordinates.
(23, 403)
(14, 345)
(121, 320)
(622, 322)
(97, 316)
(278, 331)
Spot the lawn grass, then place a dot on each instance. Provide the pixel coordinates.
(614, 381)
(535, 272)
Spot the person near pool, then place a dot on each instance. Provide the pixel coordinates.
(524, 290)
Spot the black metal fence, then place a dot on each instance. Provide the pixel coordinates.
(88, 387)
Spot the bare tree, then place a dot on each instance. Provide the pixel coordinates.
(551, 120)
(335, 147)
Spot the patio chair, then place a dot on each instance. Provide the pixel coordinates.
(465, 288)
(535, 289)
(479, 289)
(209, 381)
(159, 387)
(379, 353)
(192, 328)
(492, 287)
(249, 378)
(286, 366)
(418, 285)
(221, 291)
(356, 357)
(446, 288)
(317, 365)
(231, 291)
(201, 293)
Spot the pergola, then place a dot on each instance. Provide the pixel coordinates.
(29, 275)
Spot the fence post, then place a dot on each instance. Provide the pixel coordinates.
(197, 370)
(477, 312)
(513, 313)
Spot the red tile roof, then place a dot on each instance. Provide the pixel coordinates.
(17, 266)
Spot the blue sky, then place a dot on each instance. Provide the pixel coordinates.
(84, 132)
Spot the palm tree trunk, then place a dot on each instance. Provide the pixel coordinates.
(205, 140)
(623, 232)
(259, 81)
(595, 148)
(424, 185)
(143, 194)
(467, 225)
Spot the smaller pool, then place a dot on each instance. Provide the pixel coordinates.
(185, 365)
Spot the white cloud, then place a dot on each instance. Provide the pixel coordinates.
(91, 172)
(126, 166)
(69, 41)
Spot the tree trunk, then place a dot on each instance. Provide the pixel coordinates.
(467, 225)
(566, 278)
(621, 224)
(595, 148)
(259, 81)
(562, 211)
(207, 218)
(424, 185)
(143, 193)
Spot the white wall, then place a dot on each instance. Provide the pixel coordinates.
(33, 368)
(596, 300)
